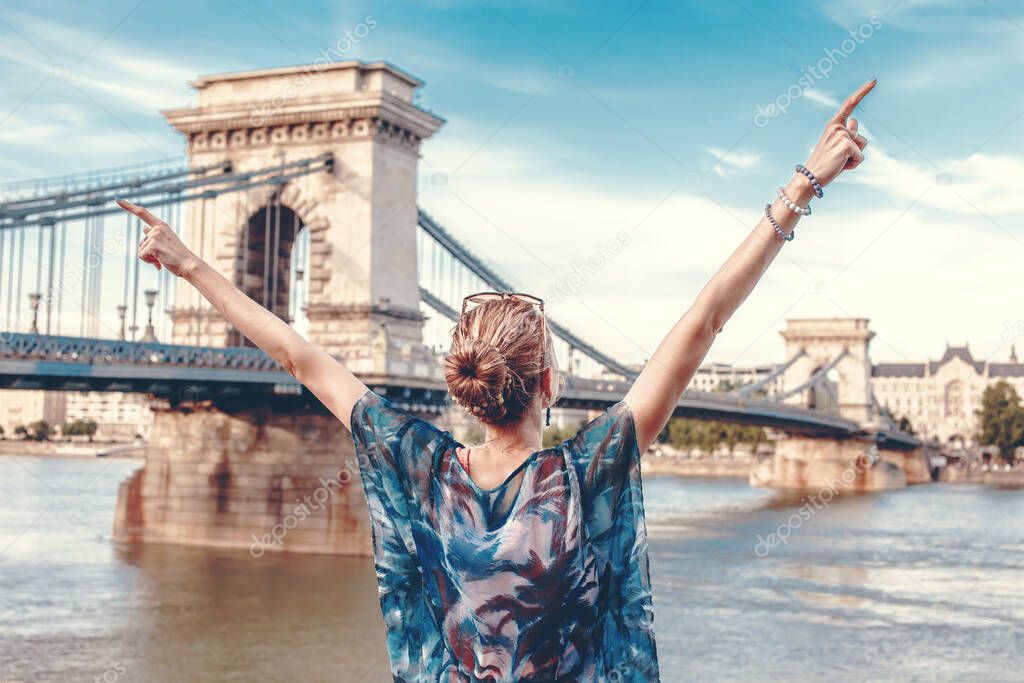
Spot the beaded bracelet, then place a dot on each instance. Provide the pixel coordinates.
(771, 219)
(818, 191)
(793, 206)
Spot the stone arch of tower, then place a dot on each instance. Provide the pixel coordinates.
(824, 395)
(267, 253)
(282, 214)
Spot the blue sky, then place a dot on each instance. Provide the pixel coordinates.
(572, 123)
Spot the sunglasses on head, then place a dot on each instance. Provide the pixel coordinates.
(484, 297)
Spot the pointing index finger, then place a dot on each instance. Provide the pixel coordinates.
(139, 211)
(853, 100)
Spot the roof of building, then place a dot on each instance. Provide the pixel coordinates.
(203, 80)
(1011, 369)
(898, 370)
(1006, 369)
(961, 352)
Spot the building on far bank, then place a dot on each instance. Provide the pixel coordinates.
(941, 398)
(716, 376)
(22, 407)
(118, 416)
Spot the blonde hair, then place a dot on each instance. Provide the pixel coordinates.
(499, 352)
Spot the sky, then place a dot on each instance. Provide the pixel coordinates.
(644, 135)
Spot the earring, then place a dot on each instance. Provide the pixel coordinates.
(547, 418)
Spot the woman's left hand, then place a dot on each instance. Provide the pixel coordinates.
(841, 147)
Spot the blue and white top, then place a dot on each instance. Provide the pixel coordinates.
(543, 578)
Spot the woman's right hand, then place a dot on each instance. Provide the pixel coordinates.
(328, 380)
(841, 147)
(161, 246)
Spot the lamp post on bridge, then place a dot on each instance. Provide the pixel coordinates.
(122, 312)
(150, 334)
(33, 300)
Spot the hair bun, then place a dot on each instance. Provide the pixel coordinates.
(478, 376)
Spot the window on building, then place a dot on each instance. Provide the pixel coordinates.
(954, 399)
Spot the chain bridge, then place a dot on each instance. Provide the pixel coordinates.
(300, 186)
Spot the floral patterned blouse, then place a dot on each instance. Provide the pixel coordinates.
(542, 578)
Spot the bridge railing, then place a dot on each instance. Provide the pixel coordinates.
(88, 351)
(191, 373)
(114, 352)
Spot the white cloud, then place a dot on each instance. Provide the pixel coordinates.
(43, 130)
(85, 98)
(138, 84)
(961, 61)
(735, 159)
(928, 16)
(821, 98)
(982, 184)
(104, 65)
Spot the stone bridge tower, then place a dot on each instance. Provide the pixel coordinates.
(873, 459)
(282, 476)
(358, 284)
(849, 384)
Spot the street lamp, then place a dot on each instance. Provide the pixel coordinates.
(122, 311)
(150, 334)
(33, 300)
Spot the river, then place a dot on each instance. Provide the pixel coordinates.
(922, 584)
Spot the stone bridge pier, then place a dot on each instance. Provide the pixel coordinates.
(279, 476)
(259, 478)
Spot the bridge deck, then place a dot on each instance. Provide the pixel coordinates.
(190, 373)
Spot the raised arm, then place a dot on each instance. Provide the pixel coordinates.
(329, 380)
(653, 396)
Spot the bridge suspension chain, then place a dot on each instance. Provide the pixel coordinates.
(813, 380)
(39, 262)
(750, 389)
(43, 201)
(101, 204)
(37, 189)
(493, 280)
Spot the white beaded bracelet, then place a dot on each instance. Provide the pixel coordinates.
(792, 206)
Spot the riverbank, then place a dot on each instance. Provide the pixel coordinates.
(70, 449)
(715, 468)
(1001, 478)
